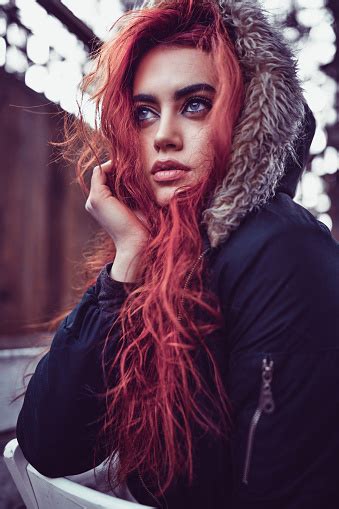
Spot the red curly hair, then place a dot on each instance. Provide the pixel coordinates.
(154, 386)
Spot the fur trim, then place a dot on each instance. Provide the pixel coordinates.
(269, 125)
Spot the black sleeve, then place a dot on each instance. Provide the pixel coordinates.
(59, 420)
(282, 304)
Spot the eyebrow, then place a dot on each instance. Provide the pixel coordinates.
(178, 94)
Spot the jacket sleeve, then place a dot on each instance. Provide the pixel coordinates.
(281, 302)
(59, 419)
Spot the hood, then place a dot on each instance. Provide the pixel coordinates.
(294, 169)
(275, 128)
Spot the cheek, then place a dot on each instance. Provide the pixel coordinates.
(145, 148)
(201, 146)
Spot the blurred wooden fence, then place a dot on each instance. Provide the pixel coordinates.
(44, 224)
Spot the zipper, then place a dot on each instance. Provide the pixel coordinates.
(265, 405)
(179, 318)
(189, 277)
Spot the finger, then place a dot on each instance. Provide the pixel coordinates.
(98, 178)
(106, 166)
(103, 167)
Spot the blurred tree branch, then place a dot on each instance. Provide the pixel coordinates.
(129, 4)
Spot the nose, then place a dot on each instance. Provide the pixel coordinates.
(168, 135)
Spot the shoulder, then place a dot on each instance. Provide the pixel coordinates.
(281, 236)
(280, 270)
(277, 281)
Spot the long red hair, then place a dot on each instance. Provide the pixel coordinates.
(153, 380)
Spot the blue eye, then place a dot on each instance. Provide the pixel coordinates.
(195, 102)
(139, 114)
(194, 105)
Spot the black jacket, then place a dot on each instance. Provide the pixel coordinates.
(277, 281)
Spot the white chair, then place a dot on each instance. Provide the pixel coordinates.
(71, 492)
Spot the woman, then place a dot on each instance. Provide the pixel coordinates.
(206, 355)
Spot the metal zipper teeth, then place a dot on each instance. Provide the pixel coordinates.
(265, 405)
(189, 277)
(179, 318)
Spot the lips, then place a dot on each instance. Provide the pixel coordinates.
(170, 164)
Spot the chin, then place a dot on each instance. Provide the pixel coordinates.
(164, 195)
(163, 202)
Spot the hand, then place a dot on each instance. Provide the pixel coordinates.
(126, 227)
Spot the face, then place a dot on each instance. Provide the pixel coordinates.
(173, 93)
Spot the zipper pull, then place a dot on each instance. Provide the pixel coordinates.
(266, 402)
(265, 405)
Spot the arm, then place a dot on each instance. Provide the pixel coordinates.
(58, 422)
(281, 306)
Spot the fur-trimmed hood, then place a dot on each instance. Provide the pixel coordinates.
(274, 131)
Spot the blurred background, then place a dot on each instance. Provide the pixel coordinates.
(44, 50)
